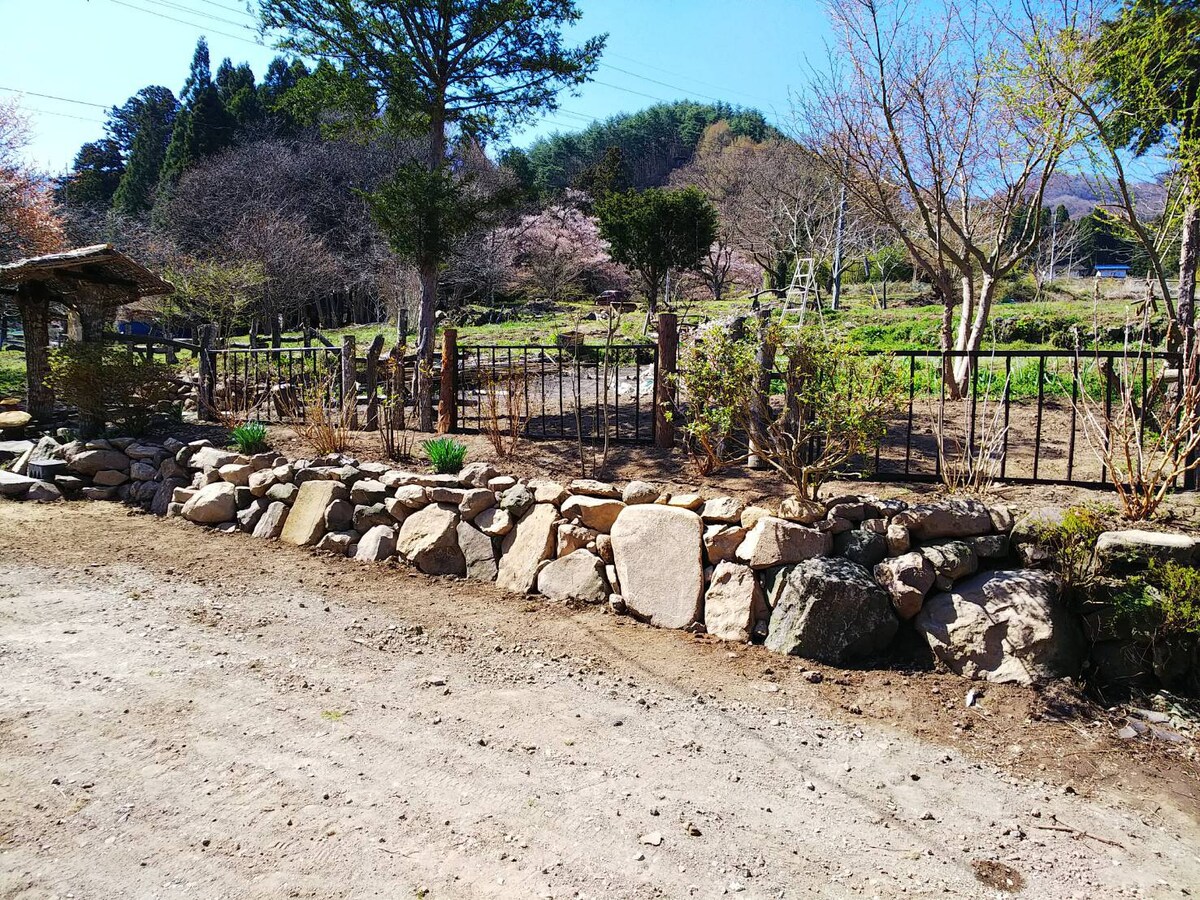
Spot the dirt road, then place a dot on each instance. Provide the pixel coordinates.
(186, 714)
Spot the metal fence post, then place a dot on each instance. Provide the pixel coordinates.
(206, 399)
(664, 383)
(447, 389)
(349, 382)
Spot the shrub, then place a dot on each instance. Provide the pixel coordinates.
(714, 372)
(320, 419)
(110, 384)
(445, 454)
(249, 437)
(1073, 545)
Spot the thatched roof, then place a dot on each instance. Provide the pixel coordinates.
(98, 277)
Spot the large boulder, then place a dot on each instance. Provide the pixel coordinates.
(89, 462)
(907, 579)
(1003, 626)
(306, 523)
(429, 540)
(576, 576)
(861, 546)
(776, 542)
(657, 555)
(830, 610)
(479, 556)
(1123, 551)
(207, 458)
(530, 541)
(946, 519)
(494, 522)
(212, 504)
(734, 603)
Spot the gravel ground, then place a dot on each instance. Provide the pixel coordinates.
(195, 715)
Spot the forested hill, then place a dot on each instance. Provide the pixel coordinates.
(652, 143)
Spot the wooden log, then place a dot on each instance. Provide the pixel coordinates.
(206, 337)
(349, 382)
(448, 387)
(664, 381)
(373, 352)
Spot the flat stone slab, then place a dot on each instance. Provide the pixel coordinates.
(13, 485)
(657, 551)
(306, 522)
(1134, 549)
(531, 541)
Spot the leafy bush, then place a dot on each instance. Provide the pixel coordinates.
(713, 375)
(1073, 544)
(1164, 601)
(110, 384)
(445, 454)
(249, 437)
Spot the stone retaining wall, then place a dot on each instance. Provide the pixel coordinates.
(827, 581)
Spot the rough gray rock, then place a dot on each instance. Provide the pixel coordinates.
(140, 470)
(479, 555)
(530, 542)
(657, 555)
(863, 547)
(477, 474)
(336, 542)
(89, 462)
(212, 504)
(639, 492)
(907, 579)
(306, 522)
(591, 488)
(1124, 551)
(367, 517)
(577, 576)
(377, 544)
(946, 519)
(830, 610)
(774, 541)
(428, 538)
(597, 513)
(43, 492)
(734, 603)
(270, 525)
(951, 560)
(1008, 626)
(164, 494)
(206, 458)
(990, 546)
(339, 516)
(282, 493)
(516, 501)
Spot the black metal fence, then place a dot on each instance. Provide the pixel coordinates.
(272, 385)
(566, 392)
(1019, 412)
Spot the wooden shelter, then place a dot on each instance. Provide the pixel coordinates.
(91, 282)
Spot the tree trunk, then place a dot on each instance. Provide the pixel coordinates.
(976, 309)
(1186, 302)
(835, 300)
(35, 319)
(425, 338)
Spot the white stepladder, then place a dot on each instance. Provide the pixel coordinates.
(804, 283)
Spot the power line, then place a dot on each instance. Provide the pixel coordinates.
(615, 87)
(167, 4)
(673, 87)
(718, 87)
(230, 8)
(202, 28)
(54, 97)
(48, 112)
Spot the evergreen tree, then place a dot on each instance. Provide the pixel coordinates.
(203, 125)
(142, 128)
(94, 177)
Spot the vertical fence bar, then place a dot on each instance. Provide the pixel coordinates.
(206, 336)
(1037, 432)
(1074, 404)
(912, 388)
(1007, 410)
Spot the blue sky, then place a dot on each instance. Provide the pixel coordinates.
(99, 52)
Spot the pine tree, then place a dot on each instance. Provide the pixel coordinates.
(94, 177)
(203, 125)
(142, 128)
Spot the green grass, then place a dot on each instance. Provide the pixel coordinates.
(12, 373)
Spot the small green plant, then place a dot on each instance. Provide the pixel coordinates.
(1175, 590)
(445, 454)
(1073, 544)
(249, 437)
(332, 715)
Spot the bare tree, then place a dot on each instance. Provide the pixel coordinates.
(939, 122)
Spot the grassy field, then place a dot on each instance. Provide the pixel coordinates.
(12, 373)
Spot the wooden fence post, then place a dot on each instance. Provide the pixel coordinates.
(664, 382)
(373, 383)
(206, 337)
(764, 363)
(448, 389)
(349, 383)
